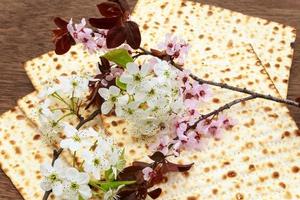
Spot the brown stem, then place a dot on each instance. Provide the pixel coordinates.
(56, 153)
(220, 109)
(237, 89)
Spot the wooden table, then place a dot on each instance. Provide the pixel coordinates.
(25, 33)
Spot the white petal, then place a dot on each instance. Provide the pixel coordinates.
(46, 169)
(106, 107)
(132, 68)
(71, 174)
(104, 93)
(145, 69)
(115, 91)
(45, 185)
(65, 144)
(122, 100)
(85, 191)
(58, 189)
(69, 130)
(83, 178)
(125, 78)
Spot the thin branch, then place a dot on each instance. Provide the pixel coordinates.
(220, 109)
(56, 153)
(237, 89)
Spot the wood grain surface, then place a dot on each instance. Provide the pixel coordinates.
(25, 33)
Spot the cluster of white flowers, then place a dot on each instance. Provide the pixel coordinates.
(98, 156)
(151, 99)
(62, 99)
(65, 182)
(98, 153)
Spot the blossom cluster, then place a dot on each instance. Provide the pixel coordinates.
(62, 99)
(186, 131)
(175, 47)
(92, 40)
(98, 156)
(151, 98)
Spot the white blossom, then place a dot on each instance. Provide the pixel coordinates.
(133, 76)
(53, 177)
(111, 96)
(105, 156)
(76, 184)
(75, 140)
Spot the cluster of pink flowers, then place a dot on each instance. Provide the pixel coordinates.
(92, 41)
(175, 47)
(186, 131)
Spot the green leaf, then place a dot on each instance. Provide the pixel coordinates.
(114, 185)
(120, 84)
(119, 56)
(80, 197)
(109, 175)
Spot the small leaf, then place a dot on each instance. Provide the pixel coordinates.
(62, 45)
(60, 22)
(154, 194)
(124, 5)
(105, 66)
(172, 167)
(121, 85)
(115, 37)
(158, 53)
(133, 37)
(119, 56)
(157, 156)
(104, 23)
(114, 184)
(109, 9)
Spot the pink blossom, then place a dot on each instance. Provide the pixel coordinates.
(82, 35)
(100, 39)
(180, 131)
(191, 104)
(162, 145)
(192, 115)
(215, 129)
(195, 141)
(148, 173)
(227, 122)
(175, 47)
(176, 147)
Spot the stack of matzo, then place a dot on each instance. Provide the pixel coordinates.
(258, 159)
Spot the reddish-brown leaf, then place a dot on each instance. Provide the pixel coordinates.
(105, 66)
(154, 194)
(115, 37)
(105, 23)
(58, 33)
(158, 53)
(172, 167)
(63, 45)
(123, 4)
(133, 34)
(298, 99)
(60, 22)
(157, 156)
(109, 9)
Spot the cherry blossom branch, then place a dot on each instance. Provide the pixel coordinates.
(222, 108)
(229, 87)
(57, 153)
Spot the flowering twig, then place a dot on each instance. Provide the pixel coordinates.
(226, 86)
(222, 108)
(57, 153)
